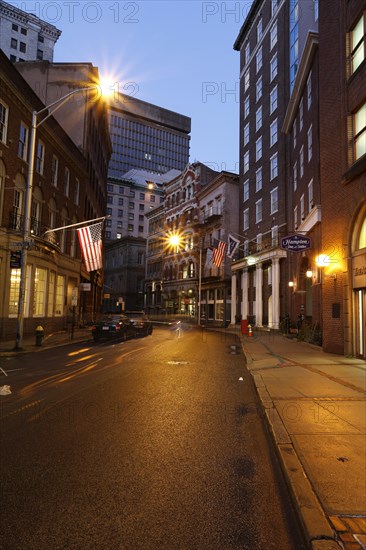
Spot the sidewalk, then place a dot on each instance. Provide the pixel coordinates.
(314, 403)
(7, 347)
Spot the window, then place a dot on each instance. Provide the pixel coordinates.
(359, 122)
(247, 53)
(273, 135)
(316, 9)
(60, 295)
(258, 59)
(120, 201)
(246, 134)
(308, 91)
(67, 182)
(141, 207)
(273, 67)
(301, 161)
(273, 36)
(302, 207)
(132, 193)
(22, 47)
(142, 196)
(40, 39)
(77, 192)
(54, 170)
(258, 179)
(119, 225)
(39, 295)
(14, 44)
(39, 54)
(131, 216)
(246, 219)
(14, 27)
(273, 166)
(274, 6)
(246, 162)
(23, 141)
(108, 223)
(258, 149)
(51, 294)
(274, 235)
(295, 218)
(121, 190)
(301, 113)
(152, 198)
(273, 100)
(258, 119)
(274, 200)
(295, 176)
(109, 211)
(246, 190)
(23, 31)
(258, 89)
(108, 234)
(246, 80)
(4, 112)
(311, 194)
(14, 292)
(294, 133)
(120, 213)
(246, 107)
(358, 44)
(310, 143)
(259, 30)
(258, 211)
(40, 157)
(131, 205)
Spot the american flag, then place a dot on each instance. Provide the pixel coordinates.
(218, 254)
(90, 240)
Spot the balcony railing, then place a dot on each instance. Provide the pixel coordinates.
(16, 223)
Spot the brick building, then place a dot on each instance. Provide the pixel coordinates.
(268, 43)
(54, 265)
(201, 207)
(84, 118)
(342, 123)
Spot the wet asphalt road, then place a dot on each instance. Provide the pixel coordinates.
(151, 444)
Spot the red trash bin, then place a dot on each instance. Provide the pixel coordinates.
(244, 326)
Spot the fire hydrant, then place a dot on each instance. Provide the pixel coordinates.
(250, 331)
(39, 335)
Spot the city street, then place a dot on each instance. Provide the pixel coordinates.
(156, 442)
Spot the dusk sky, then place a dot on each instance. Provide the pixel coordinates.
(175, 54)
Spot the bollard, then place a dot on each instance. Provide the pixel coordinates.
(250, 331)
(39, 335)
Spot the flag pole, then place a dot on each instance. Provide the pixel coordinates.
(74, 225)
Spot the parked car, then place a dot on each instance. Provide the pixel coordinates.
(141, 322)
(117, 326)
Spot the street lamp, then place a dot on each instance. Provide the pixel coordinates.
(28, 200)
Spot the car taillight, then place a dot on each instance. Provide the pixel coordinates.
(94, 327)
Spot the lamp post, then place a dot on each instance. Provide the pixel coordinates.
(28, 201)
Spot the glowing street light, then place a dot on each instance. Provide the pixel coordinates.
(28, 198)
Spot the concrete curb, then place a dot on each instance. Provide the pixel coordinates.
(317, 529)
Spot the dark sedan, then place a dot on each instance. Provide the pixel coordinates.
(118, 326)
(141, 322)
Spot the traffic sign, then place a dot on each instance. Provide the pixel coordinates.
(296, 243)
(15, 259)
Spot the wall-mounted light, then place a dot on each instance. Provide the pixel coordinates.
(251, 260)
(322, 260)
(309, 273)
(290, 284)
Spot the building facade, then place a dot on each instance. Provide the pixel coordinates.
(146, 137)
(342, 123)
(201, 208)
(24, 36)
(84, 118)
(261, 274)
(129, 198)
(54, 267)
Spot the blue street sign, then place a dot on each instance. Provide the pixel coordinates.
(296, 243)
